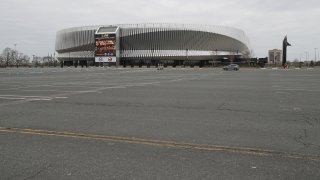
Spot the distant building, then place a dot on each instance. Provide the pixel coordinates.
(275, 56)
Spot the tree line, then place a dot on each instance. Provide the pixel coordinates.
(13, 58)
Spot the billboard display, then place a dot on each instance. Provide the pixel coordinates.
(105, 47)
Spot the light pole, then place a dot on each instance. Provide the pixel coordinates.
(300, 58)
(15, 55)
(308, 58)
(315, 54)
(212, 58)
(33, 60)
(300, 63)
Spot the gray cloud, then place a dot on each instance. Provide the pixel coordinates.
(32, 24)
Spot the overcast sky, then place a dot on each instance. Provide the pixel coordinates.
(32, 24)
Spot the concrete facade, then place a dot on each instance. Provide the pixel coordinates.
(275, 57)
(156, 42)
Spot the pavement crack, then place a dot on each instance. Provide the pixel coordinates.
(131, 105)
(90, 126)
(38, 172)
(303, 139)
(220, 107)
(223, 107)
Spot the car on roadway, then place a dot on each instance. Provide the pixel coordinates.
(231, 67)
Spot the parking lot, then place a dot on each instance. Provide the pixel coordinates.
(143, 123)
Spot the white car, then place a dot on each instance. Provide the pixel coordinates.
(231, 67)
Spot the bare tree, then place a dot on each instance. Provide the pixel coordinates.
(23, 59)
(11, 57)
(2, 60)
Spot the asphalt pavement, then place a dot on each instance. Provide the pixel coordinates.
(144, 123)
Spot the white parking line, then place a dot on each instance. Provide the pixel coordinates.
(31, 90)
(18, 97)
(305, 90)
(12, 98)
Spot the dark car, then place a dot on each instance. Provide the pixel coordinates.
(231, 67)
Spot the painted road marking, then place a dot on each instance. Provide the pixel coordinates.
(305, 90)
(23, 99)
(29, 97)
(60, 97)
(151, 142)
(37, 90)
(33, 98)
(12, 98)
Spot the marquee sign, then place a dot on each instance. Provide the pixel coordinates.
(106, 45)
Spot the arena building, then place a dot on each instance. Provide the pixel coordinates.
(150, 44)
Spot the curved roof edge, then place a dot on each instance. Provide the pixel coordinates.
(224, 30)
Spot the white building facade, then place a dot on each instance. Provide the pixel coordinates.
(275, 57)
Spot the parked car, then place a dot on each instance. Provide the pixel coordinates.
(231, 67)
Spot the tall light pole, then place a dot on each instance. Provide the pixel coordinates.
(15, 51)
(15, 55)
(212, 58)
(315, 54)
(300, 58)
(308, 58)
(300, 62)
